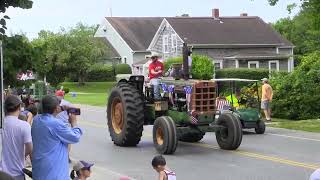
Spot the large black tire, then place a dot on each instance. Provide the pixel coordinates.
(191, 136)
(125, 115)
(261, 127)
(231, 137)
(165, 135)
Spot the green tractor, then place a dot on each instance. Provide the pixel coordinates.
(241, 98)
(185, 113)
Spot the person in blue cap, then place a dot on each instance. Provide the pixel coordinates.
(81, 170)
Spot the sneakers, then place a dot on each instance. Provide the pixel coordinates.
(268, 120)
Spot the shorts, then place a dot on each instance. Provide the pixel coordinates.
(265, 105)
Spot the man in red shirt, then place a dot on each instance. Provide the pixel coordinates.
(155, 73)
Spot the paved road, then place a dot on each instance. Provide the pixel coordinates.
(278, 155)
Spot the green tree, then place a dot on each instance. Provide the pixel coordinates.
(303, 30)
(5, 4)
(296, 95)
(85, 50)
(70, 52)
(19, 56)
(52, 51)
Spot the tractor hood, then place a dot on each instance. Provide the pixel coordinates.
(248, 114)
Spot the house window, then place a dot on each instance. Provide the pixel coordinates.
(253, 64)
(165, 43)
(274, 65)
(174, 44)
(218, 64)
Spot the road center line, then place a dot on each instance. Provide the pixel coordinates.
(241, 152)
(260, 156)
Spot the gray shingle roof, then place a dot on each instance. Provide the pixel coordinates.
(136, 31)
(226, 30)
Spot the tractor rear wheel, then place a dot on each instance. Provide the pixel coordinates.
(165, 135)
(261, 127)
(125, 115)
(230, 137)
(191, 136)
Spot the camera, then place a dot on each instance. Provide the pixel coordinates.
(75, 111)
(71, 110)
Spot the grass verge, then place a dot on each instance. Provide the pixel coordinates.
(92, 93)
(302, 125)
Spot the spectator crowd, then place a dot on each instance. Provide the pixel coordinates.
(42, 135)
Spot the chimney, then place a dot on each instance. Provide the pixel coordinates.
(243, 14)
(215, 13)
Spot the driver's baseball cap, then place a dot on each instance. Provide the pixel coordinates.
(82, 164)
(264, 79)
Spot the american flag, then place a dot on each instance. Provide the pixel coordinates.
(221, 103)
(171, 91)
(193, 119)
(188, 91)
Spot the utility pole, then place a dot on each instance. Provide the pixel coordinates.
(45, 74)
(1, 88)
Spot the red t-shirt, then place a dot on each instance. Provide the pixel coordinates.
(156, 66)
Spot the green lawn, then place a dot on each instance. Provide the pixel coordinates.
(303, 125)
(92, 93)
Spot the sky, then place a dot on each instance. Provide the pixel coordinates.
(54, 14)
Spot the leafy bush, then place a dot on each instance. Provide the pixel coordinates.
(242, 73)
(171, 61)
(66, 90)
(99, 73)
(202, 67)
(123, 69)
(296, 95)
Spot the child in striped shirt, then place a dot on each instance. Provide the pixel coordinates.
(159, 164)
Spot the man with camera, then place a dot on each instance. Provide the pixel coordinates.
(66, 107)
(51, 137)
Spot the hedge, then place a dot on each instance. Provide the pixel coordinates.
(123, 69)
(242, 73)
(99, 73)
(171, 61)
(202, 66)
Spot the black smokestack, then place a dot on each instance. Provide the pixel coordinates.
(185, 51)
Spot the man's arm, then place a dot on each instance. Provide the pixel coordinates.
(156, 72)
(66, 134)
(27, 140)
(29, 118)
(162, 176)
(28, 149)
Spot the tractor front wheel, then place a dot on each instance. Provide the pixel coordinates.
(261, 127)
(230, 137)
(165, 135)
